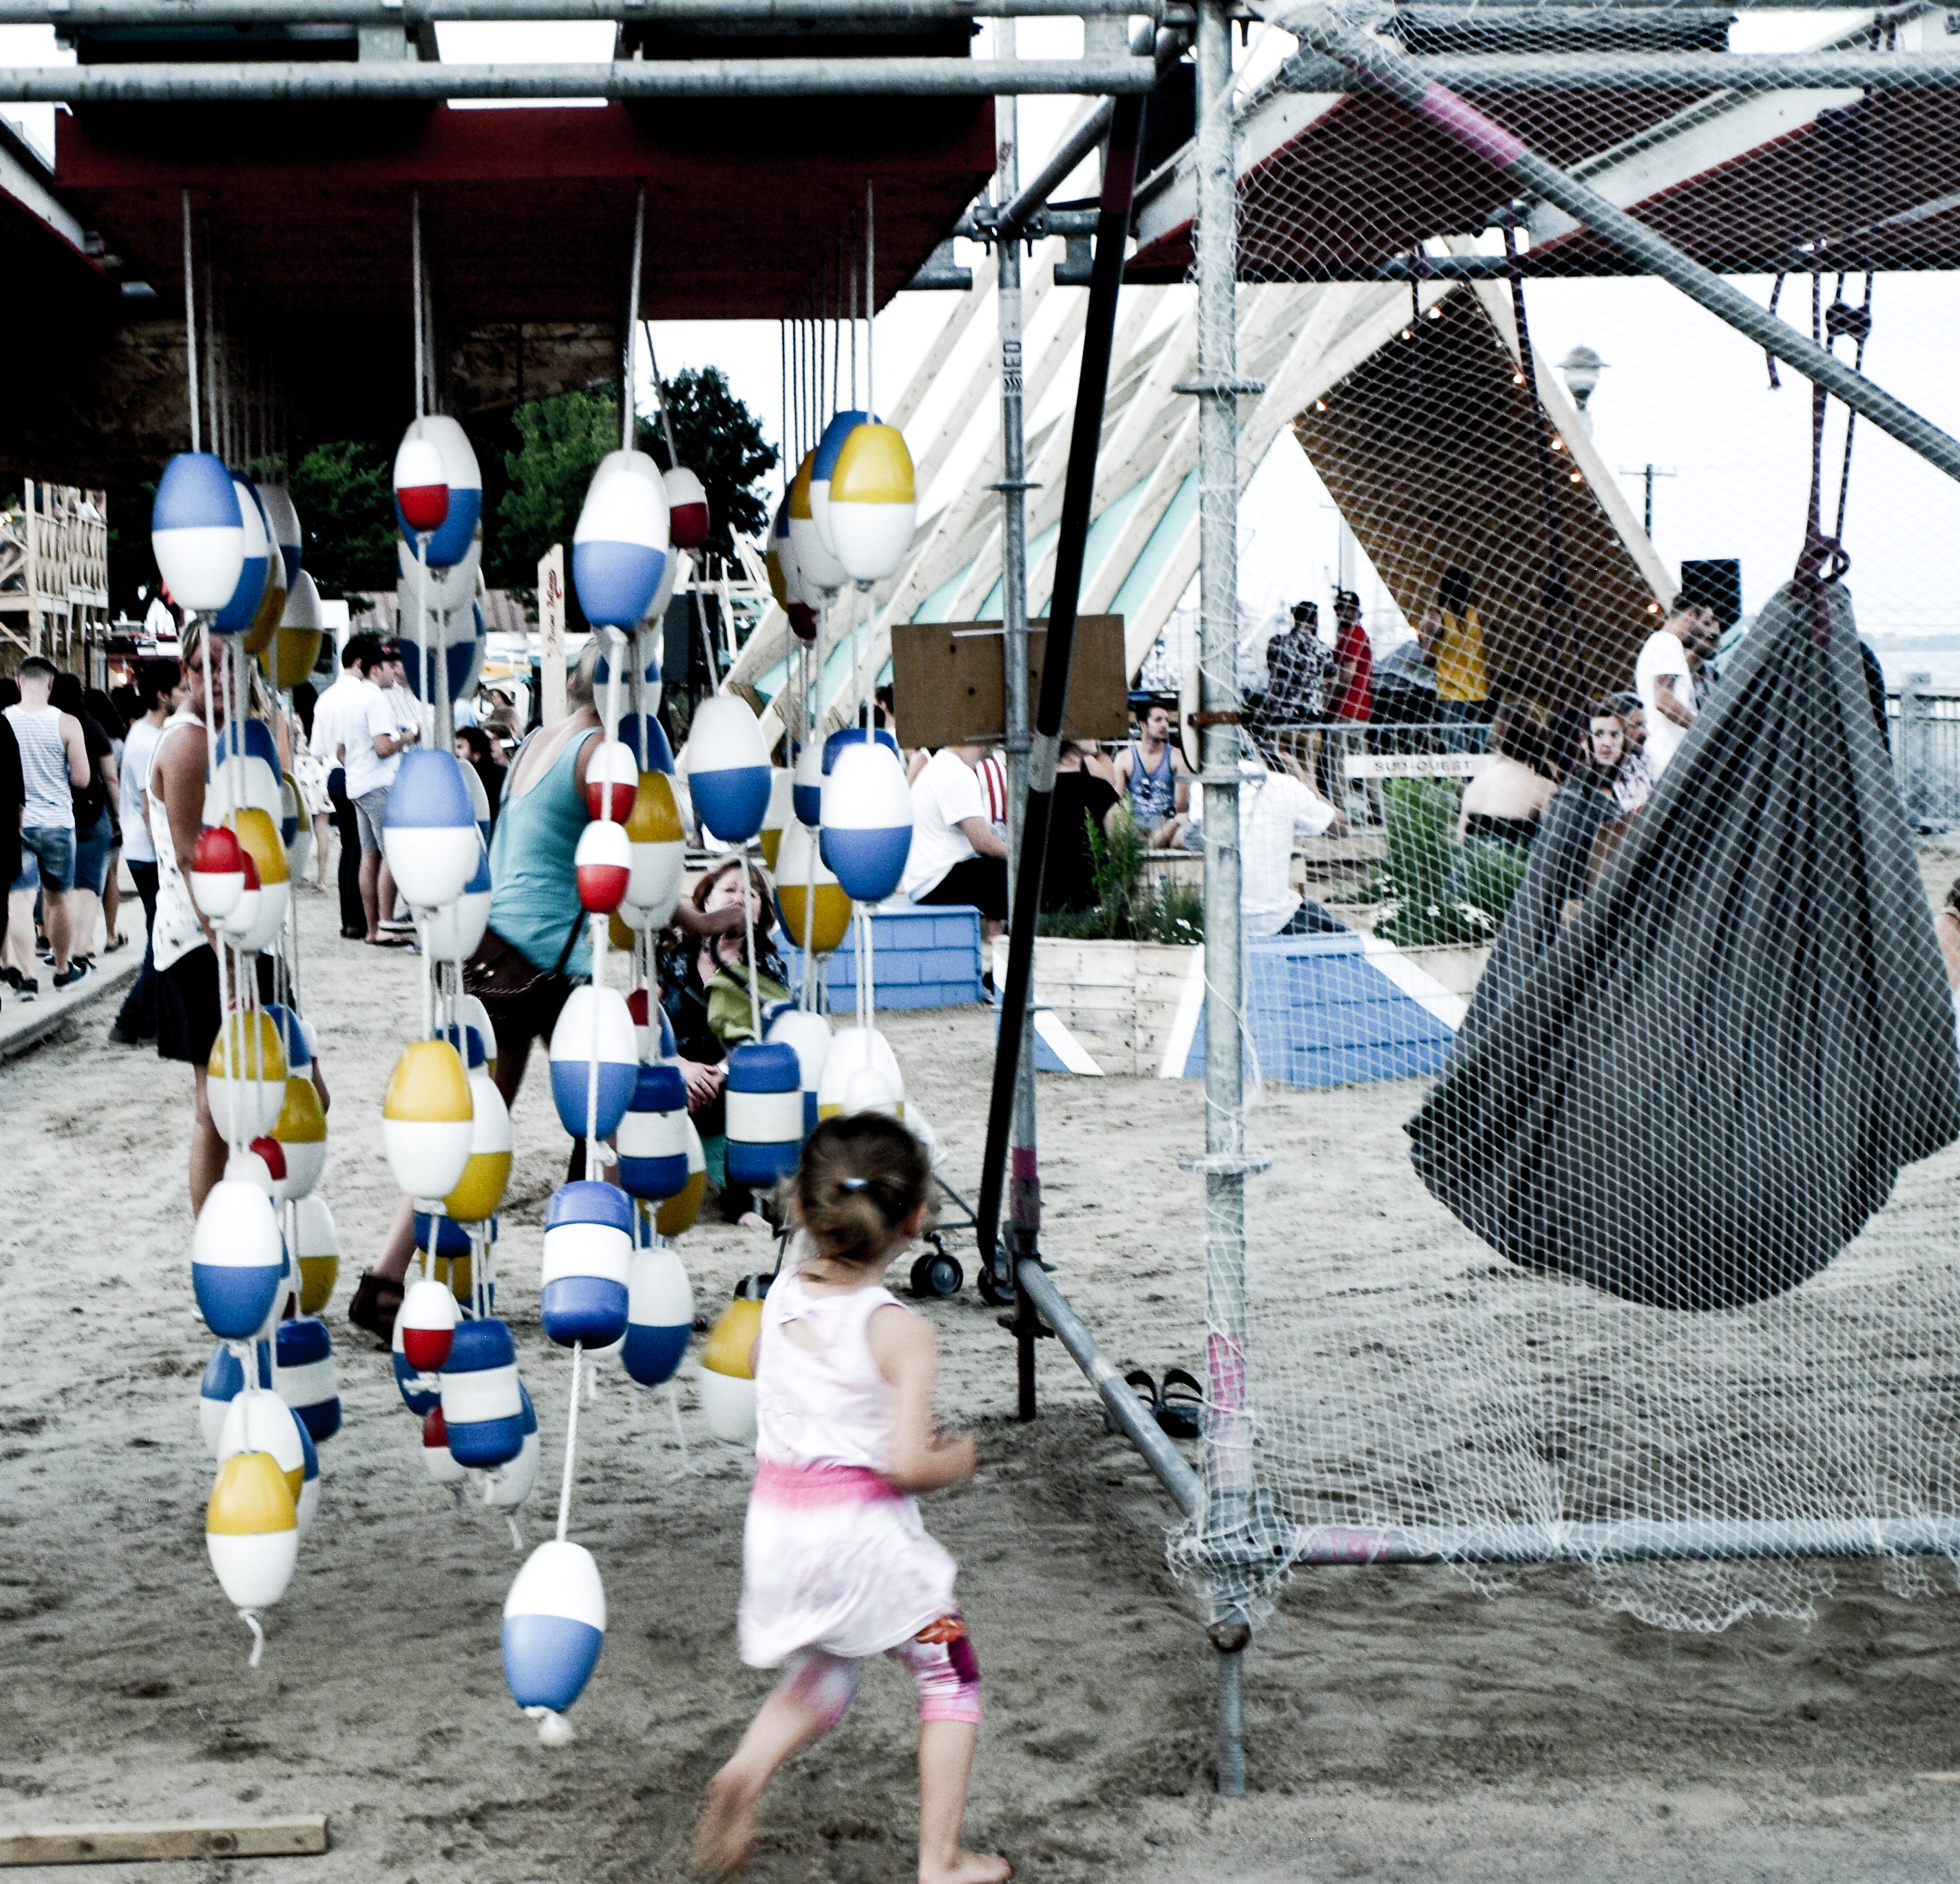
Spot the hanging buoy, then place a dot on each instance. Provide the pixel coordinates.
(653, 1135)
(807, 785)
(252, 927)
(419, 1391)
(601, 866)
(245, 1077)
(300, 1132)
(241, 608)
(873, 503)
(427, 1319)
(847, 735)
(308, 1507)
(727, 1380)
(295, 827)
(222, 1379)
(305, 1376)
(481, 1406)
(780, 816)
(612, 781)
(453, 1251)
(647, 740)
(197, 531)
(659, 1315)
(295, 646)
(675, 1216)
(421, 490)
(776, 558)
(480, 1189)
(318, 1253)
(262, 1422)
(472, 1013)
(216, 872)
(808, 1035)
(868, 821)
(861, 1073)
(823, 471)
(822, 575)
(288, 537)
(251, 1532)
(657, 853)
(441, 1464)
(554, 1628)
(273, 600)
(426, 1119)
(652, 1033)
(824, 905)
(688, 522)
(764, 1111)
(261, 1164)
(619, 546)
(594, 1022)
(451, 539)
(728, 768)
(508, 1485)
(429, 834)
(452, 933)
(587, 1249)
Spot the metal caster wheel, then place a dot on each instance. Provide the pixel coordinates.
(990, 1291)
(936, 1274)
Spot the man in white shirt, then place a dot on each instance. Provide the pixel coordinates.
(1664, 676)
(1274, 808)
(159, 689)
(956, 855)
(372, 741)
(330, 718)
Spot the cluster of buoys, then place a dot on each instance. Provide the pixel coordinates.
(264, 1253)
(611, 1284)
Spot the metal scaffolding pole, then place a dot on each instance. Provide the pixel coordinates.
(1653, 72)
(1024, 1232)
(338, 81)
(1225, 1465)
(1373, 66)
(72, 16)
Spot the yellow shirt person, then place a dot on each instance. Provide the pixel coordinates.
(1459, 648)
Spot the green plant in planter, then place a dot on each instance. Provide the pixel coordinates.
(1129, 907)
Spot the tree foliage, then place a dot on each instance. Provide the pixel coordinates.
(344, 492)
(721, 441)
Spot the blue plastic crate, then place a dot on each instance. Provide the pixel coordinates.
(921, 957)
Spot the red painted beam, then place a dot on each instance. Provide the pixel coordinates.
(527, 212)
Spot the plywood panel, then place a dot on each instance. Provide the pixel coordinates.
(948, 680)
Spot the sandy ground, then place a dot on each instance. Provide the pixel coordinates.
(1400, 1723)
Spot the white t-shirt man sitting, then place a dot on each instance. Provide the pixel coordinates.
(956, 855)
(1274, 808)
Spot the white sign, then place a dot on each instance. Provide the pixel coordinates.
(1417, 765)
(551, 635)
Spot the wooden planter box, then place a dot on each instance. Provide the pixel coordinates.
(1118, 998)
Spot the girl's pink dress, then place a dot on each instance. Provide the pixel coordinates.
(832, 1557)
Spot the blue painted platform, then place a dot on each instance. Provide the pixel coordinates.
(1321, 1013)
(922, 957)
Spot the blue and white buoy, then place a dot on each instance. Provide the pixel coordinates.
(588, 1249)
(554, 1628)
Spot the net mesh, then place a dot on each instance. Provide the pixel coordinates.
(1411, 1389)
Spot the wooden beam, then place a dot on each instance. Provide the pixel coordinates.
(138, 1843)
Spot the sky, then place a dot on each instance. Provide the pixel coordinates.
(1681, 391)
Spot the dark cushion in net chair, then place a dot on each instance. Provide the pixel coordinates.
(1701, 1087)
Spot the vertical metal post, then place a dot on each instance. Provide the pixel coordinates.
(1225, 1465)
(1024, 1172)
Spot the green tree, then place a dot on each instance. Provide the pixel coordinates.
(560, 442)
(721, 442)
(344, 492)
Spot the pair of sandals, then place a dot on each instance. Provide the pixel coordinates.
(1174, 1404)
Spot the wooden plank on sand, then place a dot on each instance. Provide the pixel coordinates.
(125, 1844)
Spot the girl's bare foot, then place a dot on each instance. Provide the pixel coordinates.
(726, 1836)
(968, 1867)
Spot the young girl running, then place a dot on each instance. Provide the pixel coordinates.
(836, 1565)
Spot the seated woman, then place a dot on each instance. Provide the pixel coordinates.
(705, 989)
(1504, 803)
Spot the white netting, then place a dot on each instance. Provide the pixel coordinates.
(1715, 1070)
